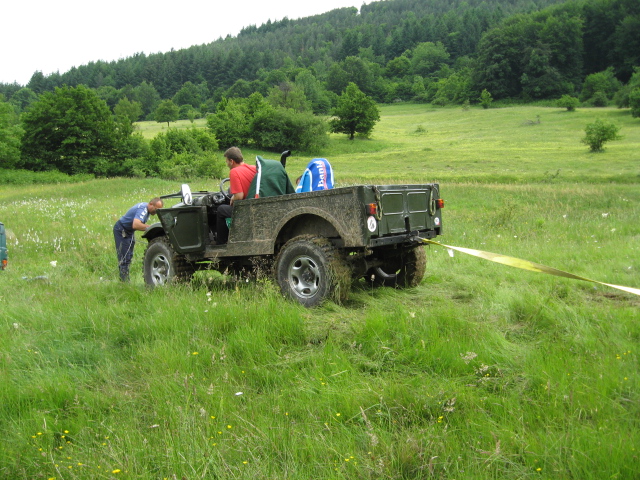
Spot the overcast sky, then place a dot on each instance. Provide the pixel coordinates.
(50, 36)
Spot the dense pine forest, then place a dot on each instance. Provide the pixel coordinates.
(444, 52)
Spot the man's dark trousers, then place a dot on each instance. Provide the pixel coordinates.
(125, 242)
(222, 227)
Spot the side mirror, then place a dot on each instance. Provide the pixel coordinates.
(185, 192)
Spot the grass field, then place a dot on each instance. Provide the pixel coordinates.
(481, 372)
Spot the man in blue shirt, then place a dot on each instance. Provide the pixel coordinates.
(317, 176)
(124, 229)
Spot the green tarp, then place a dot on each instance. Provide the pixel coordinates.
(271, 179)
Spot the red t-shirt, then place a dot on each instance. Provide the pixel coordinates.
(240, 178)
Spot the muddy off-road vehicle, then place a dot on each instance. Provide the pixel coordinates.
(313, 244)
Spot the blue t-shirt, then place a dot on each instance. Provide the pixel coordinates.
(138, 211)
(317, 176)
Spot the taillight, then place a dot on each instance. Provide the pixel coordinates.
(372, 209)
(440, 203)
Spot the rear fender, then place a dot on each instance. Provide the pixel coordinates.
(314, 221)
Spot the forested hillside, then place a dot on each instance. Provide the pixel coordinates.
(501, 45)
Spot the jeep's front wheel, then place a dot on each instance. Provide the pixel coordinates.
(162, 265)
(400, 271)
(309, 269)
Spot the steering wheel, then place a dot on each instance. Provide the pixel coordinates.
(225, 192)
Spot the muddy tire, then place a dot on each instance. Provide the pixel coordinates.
(310, 269)
(162, 265)
(405, 270)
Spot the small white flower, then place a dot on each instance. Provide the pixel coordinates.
(564, 216)
(605, 215)
(613, 230)
(53, 263)
(238, 394)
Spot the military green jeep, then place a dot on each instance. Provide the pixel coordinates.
(313, 244)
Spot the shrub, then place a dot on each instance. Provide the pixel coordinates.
(568, 102)
(604, 82)
(599, 99)
(485, 98)
(183, 154)
(277, 129)
(230, 124)
(598, 133)
(190, 165)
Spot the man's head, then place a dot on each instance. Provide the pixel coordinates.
(154, 205)
(233, 156)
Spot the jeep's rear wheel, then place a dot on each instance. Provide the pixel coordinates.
(162, 265)
(309, 269)
(400, 271)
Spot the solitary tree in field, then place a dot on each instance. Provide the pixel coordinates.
(167, 111)
(355, 113)
(598, 133)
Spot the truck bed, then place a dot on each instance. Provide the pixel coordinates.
(402, 209)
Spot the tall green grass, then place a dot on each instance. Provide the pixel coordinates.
(482, 371)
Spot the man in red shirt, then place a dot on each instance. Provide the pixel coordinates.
(240, 177)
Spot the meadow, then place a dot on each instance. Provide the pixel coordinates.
(481, 372)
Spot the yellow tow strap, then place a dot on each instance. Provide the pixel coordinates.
(527, 265)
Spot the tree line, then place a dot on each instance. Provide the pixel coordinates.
(72, 130)
(511, 48)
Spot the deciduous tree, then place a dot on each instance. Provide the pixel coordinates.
(167, 111)
(71, 130)
(427, 57)
(355, 113)
(289, 95)
(230, 124)
(128, 109)
(604, 82)
(9, 135)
